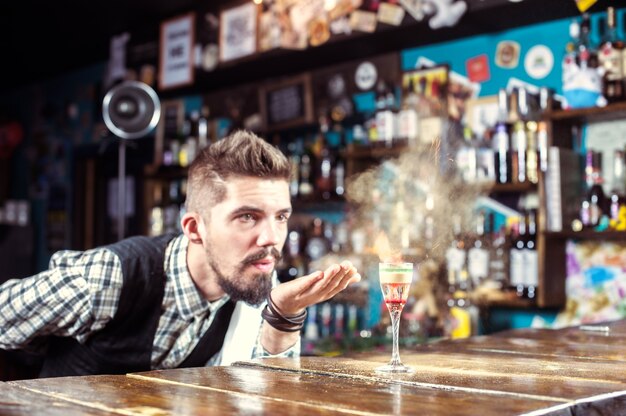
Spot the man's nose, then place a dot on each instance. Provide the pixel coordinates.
(269, 234)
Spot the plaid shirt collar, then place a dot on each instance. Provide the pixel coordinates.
(189, 300)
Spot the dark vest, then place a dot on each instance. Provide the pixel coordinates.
(124, 345)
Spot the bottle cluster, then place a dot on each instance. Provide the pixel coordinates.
(604, 205)
(600, 67)
(515, 149)
(502, 256)
(318, 169)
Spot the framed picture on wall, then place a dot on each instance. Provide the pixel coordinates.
(287, 103)
(238, 32)
(176, 54)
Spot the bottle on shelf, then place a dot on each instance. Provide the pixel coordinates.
(408, 118)
(293, 264)
(594, 203)
(385, 118)
(610, 58)
(586, 53)
(293, 154)
(498, 255)
(519, 145)
(532, 153)
(502, 154)
(531, 259)
(478, 254)
(617, 196)
(456, 254)
(323, 169)
(516, 256)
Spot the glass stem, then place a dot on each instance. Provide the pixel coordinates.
(395, 326)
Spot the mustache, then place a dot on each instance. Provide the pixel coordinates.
(263, 254)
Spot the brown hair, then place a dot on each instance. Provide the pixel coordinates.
(241, 153)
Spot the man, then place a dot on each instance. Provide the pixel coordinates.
(190, 300)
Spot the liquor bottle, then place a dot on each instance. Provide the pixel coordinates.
(531, 259)
(317, 245)
(456, 254)
(610, 59)
(408, 117)
(593, 205)
(305, 188)
(467, 157)
(502, 154)
(463, 311)
(516, 256)
(518, 152)
(498, 255)
(323, 180)
(586, 54)
(294, 162)
(532, 153)
(617, 197)
(293, 264)
(478, 254)
(203, 128)
(542, 144)
(384, 114)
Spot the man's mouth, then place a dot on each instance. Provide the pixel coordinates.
(265, 265)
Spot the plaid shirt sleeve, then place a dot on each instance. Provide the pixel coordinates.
(76, 296)
(260, 352)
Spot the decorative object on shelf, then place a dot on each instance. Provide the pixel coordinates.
(446, 13)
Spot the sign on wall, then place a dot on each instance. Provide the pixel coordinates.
(176, 60)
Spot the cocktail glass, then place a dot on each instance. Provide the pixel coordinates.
(395, 281)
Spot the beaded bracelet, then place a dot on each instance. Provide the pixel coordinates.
(281, 322)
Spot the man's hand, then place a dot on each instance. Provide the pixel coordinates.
(291, 298)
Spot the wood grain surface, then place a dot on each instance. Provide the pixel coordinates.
(571, 371)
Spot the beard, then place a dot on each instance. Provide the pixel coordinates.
(251, 290)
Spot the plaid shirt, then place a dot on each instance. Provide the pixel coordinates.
(79, 294)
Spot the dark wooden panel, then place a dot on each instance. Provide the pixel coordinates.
(364, 394)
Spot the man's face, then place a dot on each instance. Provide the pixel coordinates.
(245, 236)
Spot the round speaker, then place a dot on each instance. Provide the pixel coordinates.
(131, 109)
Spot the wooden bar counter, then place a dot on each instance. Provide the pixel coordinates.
(572, 371)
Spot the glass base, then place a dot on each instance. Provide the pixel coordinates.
(397, 368)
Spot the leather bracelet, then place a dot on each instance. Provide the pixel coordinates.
(295, 320)
(281, 322)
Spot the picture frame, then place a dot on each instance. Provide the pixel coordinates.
(431, 85)
(176, 57)
(286, 103)
(238, 32)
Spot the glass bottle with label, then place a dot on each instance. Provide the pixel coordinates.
(610, 59)
(617, 197)
(502, 154)
(478, 254)
(593, 205)
(516, 256)
(531, 259)
(456, 254)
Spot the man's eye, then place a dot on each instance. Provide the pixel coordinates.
(283, 217)
(247, 217)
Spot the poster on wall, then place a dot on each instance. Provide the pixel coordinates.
(238, 27)
(177, 40)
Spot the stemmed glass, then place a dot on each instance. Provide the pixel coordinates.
(395, 281)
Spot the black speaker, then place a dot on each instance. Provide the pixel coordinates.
(131, 109)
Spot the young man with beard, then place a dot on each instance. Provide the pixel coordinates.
(205, 297)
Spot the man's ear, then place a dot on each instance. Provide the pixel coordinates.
(192, 225)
